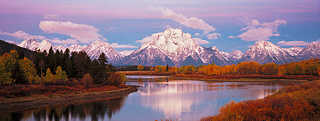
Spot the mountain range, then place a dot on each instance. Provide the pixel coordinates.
(174, 47)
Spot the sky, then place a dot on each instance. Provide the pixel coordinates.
(227, 24)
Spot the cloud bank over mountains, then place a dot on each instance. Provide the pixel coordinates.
(84, 34)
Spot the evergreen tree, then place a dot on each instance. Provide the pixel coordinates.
(167, 68)
(52, 59)
(67, 65)
(102, 59)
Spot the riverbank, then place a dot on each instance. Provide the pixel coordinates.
(22, 103)
(292, 103)
(243, 78)
(146, 73)
(224, 78)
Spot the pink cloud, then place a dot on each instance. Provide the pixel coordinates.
(116, 45)
(83, 33)
(192, 22)
(23, 35)
(146, 39)
(196, 34)
(200, 41)
(293, 43)
(256, 31)
(214, 36)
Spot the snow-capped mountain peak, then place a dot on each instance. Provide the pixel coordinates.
(310, 51)
(97, 47)
(94, 49)
(33, 44)
(174, 43)
(171, 40)
(76, 48)
(265, 51)
(174, 47)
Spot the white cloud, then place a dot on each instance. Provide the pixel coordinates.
(293, 43)
(200, 41)
(83, 33)
(256, 31)
(257, 34)
(214, 36)
(23, 35)
(192, 22)
(146, 39)
(196, 34)
(126, 52)
(116, 45)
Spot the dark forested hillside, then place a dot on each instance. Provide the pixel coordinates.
(5, 47)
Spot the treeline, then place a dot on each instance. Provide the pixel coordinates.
(306, 67)
(56, 67)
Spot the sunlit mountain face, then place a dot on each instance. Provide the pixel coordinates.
(176, 48)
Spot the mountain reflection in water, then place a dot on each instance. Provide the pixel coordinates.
(190, 100)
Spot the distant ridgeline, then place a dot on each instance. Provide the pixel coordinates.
(23, 52)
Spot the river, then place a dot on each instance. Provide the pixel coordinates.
(180, 100)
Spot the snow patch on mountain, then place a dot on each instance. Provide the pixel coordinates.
(97, 47)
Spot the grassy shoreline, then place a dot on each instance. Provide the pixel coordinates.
(226, 78)
(36, 101)
(236, 79)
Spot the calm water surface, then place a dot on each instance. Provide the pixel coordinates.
(182, 100)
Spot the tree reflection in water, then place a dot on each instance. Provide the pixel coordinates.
(93, 111)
